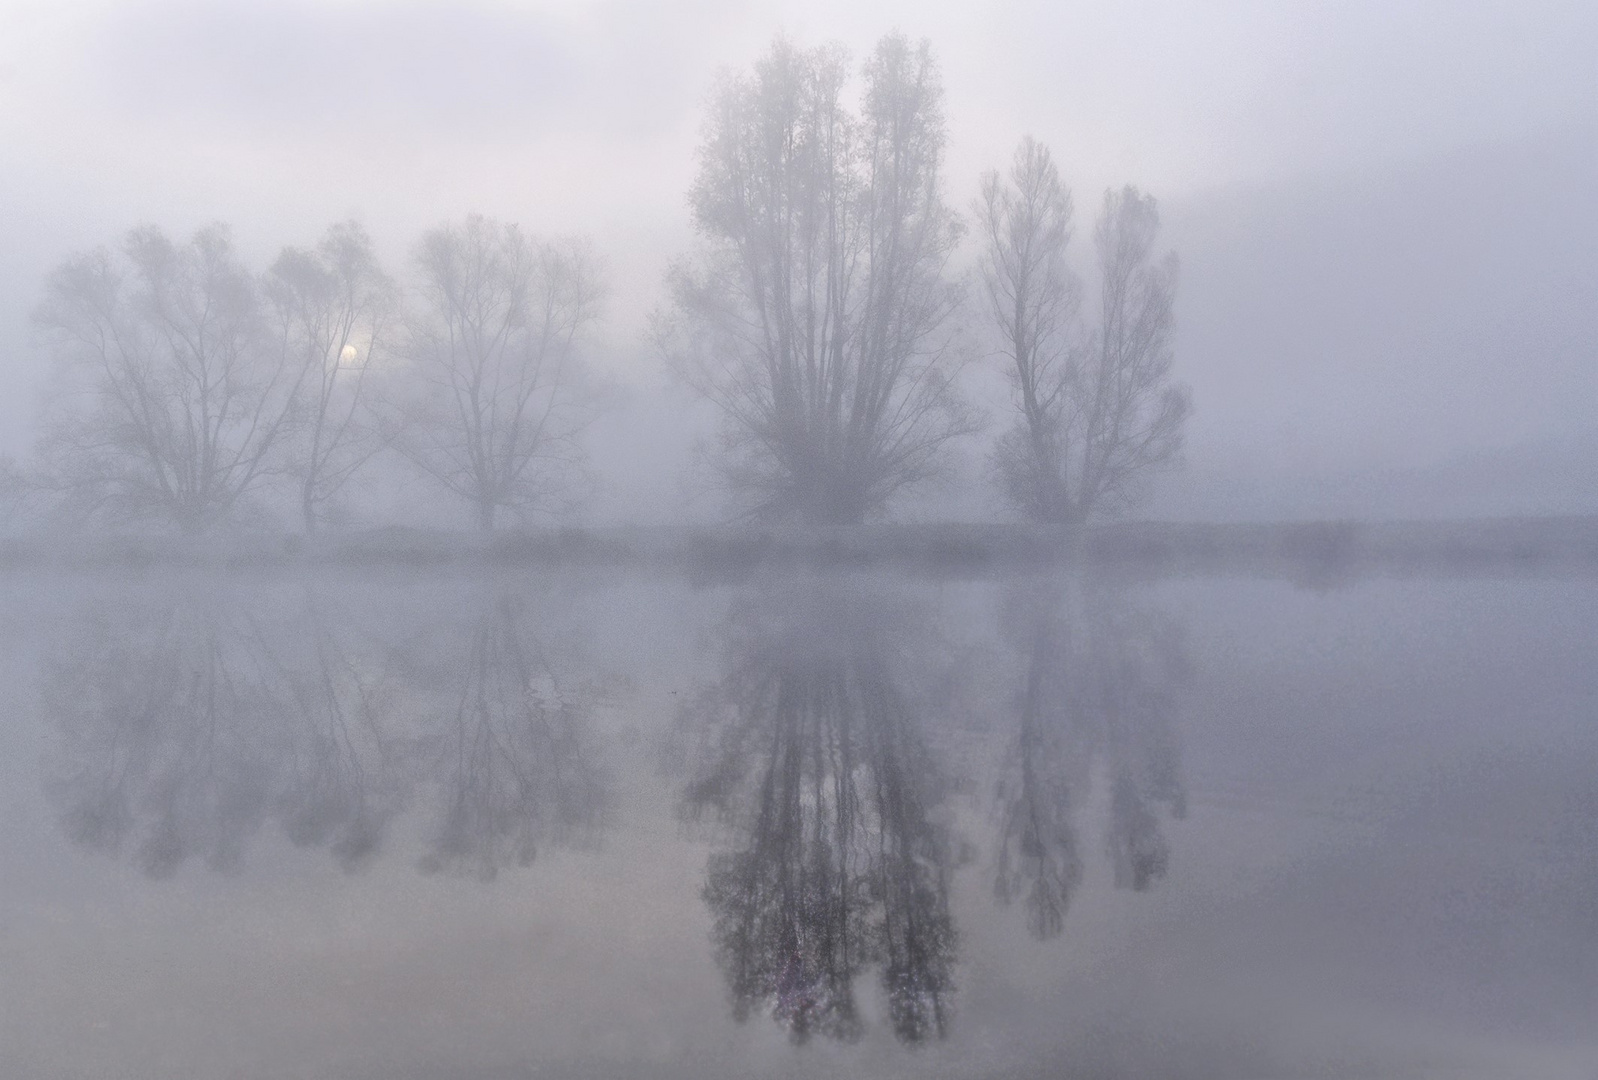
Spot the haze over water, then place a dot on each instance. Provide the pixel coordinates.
(747, 538)
(366, 825)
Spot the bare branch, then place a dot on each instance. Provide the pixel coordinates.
(812, 316)
(186, 401)
(1097, 412)
(497, 411)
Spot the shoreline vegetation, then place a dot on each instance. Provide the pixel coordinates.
(1315, 553)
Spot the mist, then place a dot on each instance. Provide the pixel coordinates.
(593, 538)
(1383, 221)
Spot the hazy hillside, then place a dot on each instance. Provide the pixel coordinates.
(1421, 341)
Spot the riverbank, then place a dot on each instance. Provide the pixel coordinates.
(1311, 551)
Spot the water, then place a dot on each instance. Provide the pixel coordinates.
(377, 825)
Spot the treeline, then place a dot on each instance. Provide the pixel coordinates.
(191, 382)
(818, 312)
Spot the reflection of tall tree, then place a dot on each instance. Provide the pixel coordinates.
(1102, 686)
(816, 761)
(514, 753)
(1038, 852)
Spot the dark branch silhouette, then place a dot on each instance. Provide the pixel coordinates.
(816, 760)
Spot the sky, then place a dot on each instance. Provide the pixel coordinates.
(1383, 209)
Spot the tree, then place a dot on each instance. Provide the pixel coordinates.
(332, 308)
(814, 314)
(1032, 298)
(1097, 413)
(184, 402)
(493, 348)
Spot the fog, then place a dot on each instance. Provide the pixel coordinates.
(1082, 825)
(1384, 218)
(602, 538)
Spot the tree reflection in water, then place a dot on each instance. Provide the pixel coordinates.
(170, 735)
(184, 723)
(513, 747)
(816, 758)
(1102, 686)
(343, 770)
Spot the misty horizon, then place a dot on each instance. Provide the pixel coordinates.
(1393, 320)
(748, 538)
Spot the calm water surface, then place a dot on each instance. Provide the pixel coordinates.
(386, 826)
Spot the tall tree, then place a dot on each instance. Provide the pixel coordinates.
(1099, 411)
(333, 308)
(174, 400)
(1032, 298)
(497, 415)
(815, 314)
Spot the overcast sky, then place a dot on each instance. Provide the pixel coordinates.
(585, 109)
(582, 116)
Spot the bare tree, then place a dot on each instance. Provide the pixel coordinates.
(174, 401)
(493, 347)
(1097, 414)
(333, 308)
(814, 315)
(1032, 297)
